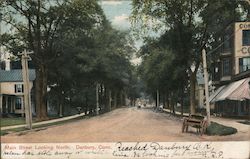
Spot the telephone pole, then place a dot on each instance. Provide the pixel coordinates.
(26, 84)
(206, 84)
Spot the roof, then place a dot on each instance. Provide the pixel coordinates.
(200, 78)
(238, 90)
(15, 75)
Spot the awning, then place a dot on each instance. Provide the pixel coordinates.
(238, 90)
(212, 96)
(242, 92)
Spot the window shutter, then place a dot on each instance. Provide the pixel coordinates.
(22, 88)
(15, 88)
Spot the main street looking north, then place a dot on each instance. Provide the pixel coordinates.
(125, 124)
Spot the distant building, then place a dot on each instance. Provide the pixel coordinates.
(231, 72)
(200, 90)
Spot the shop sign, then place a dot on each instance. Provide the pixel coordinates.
(244, 26)
(245, 50)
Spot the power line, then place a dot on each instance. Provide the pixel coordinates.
(213, 50)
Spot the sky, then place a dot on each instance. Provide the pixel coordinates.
(118, 12)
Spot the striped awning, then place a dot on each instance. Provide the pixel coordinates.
(242, 92)
(238, 90)
(211, 98)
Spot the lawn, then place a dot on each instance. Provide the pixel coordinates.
(221, 130)
(4, 132)
(12, 121)
(247, 122)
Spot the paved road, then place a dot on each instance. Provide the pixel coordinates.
(124, 124)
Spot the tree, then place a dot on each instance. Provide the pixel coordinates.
(190, 26)
(39, 27)
(95, 56)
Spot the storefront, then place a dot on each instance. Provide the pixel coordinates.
(232, 99)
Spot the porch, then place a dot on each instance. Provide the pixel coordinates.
(11, 104)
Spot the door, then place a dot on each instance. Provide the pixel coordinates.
(9, 104)
(4, 105)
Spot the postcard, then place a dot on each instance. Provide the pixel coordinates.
(115, 79)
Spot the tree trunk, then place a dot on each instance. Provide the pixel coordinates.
(157, 99)
(40, 92)
(109, 100)
(192, 92)
(168, 102)
(125, 99)
(60, 113)
(172, 102)
(115, 99)
(182, 100)
(173, 108)
(44, 94)
(164, 99)
(121, 98)
(38, 95)
(97, 99)
(41, 73)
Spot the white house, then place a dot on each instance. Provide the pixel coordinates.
(11, 91)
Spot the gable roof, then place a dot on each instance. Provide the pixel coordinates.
(15, 75)
(200, 78)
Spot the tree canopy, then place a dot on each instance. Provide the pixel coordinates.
(188, 27)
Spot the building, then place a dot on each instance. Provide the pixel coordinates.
(11, 91)
(231, 72)
(11, 86)
(234, 54)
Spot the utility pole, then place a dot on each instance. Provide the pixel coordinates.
(206, 84)
(27, 98)
(97, 99)
(1, 52)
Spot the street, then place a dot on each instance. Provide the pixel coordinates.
(124, 124)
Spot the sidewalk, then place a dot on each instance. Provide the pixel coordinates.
(224, 121)
(43, 122)
(177, 113)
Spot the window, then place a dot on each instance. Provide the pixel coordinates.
(18, 103)
(227, 43)
(246, 38)
(226, 66)
(244, 64)
(18, 88)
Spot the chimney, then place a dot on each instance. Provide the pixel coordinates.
(6, 59)
(7, 64)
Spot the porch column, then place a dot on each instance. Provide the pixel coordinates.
(13, 103)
